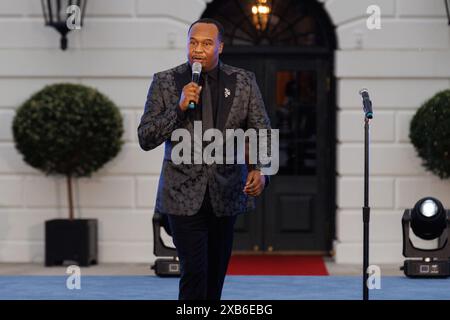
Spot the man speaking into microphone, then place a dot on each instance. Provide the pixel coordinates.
(201, 201)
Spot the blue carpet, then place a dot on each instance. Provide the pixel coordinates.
(236, 288)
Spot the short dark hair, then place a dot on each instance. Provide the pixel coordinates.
(211, 21)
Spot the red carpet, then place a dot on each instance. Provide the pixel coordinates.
(277, 265)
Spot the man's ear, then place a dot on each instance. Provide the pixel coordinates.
(220, 47)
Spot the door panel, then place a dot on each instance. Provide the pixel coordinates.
(293, 196)
(292, 213)
(249, 229)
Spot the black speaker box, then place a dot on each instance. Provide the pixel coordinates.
(71, 240)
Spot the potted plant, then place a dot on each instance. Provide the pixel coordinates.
(430, 134)
(70, 130)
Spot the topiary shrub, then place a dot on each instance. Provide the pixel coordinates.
(430, 134)
(68, 129)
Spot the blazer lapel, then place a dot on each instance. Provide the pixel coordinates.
(227, 86)
(182, 77)
(227, 89)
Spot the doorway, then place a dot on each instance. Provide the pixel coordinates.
(292, 59)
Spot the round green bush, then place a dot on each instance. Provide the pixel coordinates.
(68, 129)
(430, 134)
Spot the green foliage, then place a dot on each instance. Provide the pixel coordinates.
(430, 134)
(68, 129)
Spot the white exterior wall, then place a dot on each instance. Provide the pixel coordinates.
(403, 64)
(121, 45)
(123, 42)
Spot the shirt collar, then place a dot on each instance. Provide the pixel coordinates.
(214, 72)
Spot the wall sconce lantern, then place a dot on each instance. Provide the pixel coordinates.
(64, 16)
(260, 14)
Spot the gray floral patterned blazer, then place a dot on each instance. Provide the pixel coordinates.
(182, 187)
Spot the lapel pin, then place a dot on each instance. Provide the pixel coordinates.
(227, 92)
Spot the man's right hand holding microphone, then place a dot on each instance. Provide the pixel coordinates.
(191, 92)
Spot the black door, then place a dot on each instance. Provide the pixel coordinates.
(290, 47)
(295, 212)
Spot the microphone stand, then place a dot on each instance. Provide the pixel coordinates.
(368, 114)
(366, 210)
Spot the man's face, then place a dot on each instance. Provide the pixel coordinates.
(204, 45)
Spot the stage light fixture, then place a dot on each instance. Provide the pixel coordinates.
(164, 267)
(429, 221)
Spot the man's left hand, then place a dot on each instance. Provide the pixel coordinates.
(255, 183)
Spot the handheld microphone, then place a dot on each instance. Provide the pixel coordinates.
(196, 71)
(367, 104)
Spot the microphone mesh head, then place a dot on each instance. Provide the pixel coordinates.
(196, 67)
(363, 90)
